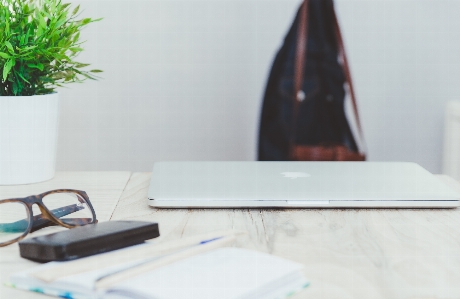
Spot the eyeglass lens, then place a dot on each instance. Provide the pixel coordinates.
(14, 220)
(69, 207)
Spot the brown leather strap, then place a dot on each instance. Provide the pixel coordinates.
(346, 70)
(300, 55)
(301, 50)
(325, 153)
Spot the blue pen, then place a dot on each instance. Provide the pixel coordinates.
(210, 240)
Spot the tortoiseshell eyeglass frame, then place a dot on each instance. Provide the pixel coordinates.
(47, 217)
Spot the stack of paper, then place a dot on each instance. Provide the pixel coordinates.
(222, 273)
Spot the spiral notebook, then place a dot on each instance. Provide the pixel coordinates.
(223, 273)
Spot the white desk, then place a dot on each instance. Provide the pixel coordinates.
(347, 253)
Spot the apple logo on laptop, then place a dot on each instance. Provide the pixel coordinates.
(295, 175)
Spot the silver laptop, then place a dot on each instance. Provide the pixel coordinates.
(297, 185)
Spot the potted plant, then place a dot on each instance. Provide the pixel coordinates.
(39, 42)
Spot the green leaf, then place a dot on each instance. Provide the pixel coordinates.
(81, 65)
(75, 49)
(86, 21)
(10, 47)
(4, 55)
(74, 12)
(22, 77)
(59, 75)
(39, 66)
(41, 20)
(40, 31)
(7, 68)
(46, 14)
(96, 71)
(61, 22)
(27, 48)
(76, 37)
(15, 88)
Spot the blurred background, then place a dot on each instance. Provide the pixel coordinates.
(184, 80)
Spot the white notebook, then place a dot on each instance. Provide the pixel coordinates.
(224, 273)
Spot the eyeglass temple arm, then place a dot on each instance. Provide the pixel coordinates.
(38, 221)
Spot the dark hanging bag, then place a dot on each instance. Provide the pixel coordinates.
(303, 116)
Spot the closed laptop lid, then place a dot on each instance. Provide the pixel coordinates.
(315, 181)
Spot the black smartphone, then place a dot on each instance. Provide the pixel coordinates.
(87, 240)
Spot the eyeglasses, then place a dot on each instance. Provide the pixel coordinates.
(65, 207)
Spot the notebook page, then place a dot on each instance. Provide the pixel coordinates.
(224, 273)
(77, 283)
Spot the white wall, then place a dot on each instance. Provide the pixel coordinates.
(184, 80)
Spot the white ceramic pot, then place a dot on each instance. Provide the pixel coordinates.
(28, 138)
